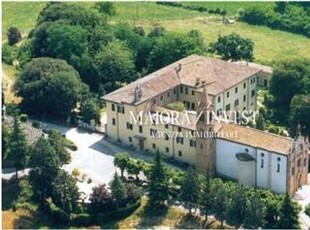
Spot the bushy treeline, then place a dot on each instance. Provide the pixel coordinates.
(291, 17)
(195, 7)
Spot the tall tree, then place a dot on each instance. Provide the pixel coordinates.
(49, 86)
(190, 189)
(237, 206)
(220, 204)
(90, 110)
(255, 212)
(299, 114)
(206, 198)
(18, 147)
(115, 64)
(158, 183)
(121, 160)
(45, 163)
(106, 8)
(118, 189)
(65, 192)
(233, 47)
(288, 214)
(57, 141)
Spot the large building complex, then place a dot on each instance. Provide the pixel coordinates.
(138, 116)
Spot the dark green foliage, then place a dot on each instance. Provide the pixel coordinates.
(157, 31)
(158, 183)
(49, 86)
(233, 47)
(260, 123)
(307, 209)
(220, 204)
(18, 147)
(5, 140)
(173, 46)
(299, 112)
(57, 215)
(72, 14)
(9, 54)
(23, 117)
(255, 212)
(90, 110)
(134, 168)
(121, 160)
(285, 16)
(58, 142)
(14, 35)
(65, 192)
(237, 206)
(106, 8)
(289, 78)
(115, 64)
(191, 189)
(206, 196)
(24, 53)
(288, 218)
(118, 189)
(36, 124)
(45, 163)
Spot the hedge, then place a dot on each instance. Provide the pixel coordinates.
(86, 219)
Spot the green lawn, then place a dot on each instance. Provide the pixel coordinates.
(23, 15)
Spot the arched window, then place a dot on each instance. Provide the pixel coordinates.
(278, 164)
(262, 160)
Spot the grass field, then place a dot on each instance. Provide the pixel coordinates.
(269, 44)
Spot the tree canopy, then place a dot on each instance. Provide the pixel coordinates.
(233, 47)
(49, 86)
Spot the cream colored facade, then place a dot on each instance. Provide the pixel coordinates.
(152, 94)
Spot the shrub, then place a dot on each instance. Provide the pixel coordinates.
(273, 129)
(307, 209)
(178, 106)
(36, 124)
(70, 144)
(83, 219)
(76, 172)
(58, 215)
(23, 117)
(14, 35)
(9, 54)
(12, 109)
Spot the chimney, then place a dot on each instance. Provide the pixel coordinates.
(137, 93)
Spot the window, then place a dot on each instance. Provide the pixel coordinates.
(193, 106)
(253, 93)
(161, 97)
(219, 112)
(130, 139)
(140, 129)
(244, 97)
(186, 90)
(219, 99)
(180, 154)
(228, 107)
(181, 89)
(166, 126)
(227, 94)
(153, 146)
(113, 121)
(120, 109)
(193, 92)
(166, 137)
(192, 143)
(236, 102)
(179, 129)
(262, 163)
(180, 140)
(278, 164)
(236, 90)
(153, 132)
(244, 85)
(174, 91)
(167, 150)
(113, 107)
(129, 126)
(168, 94)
